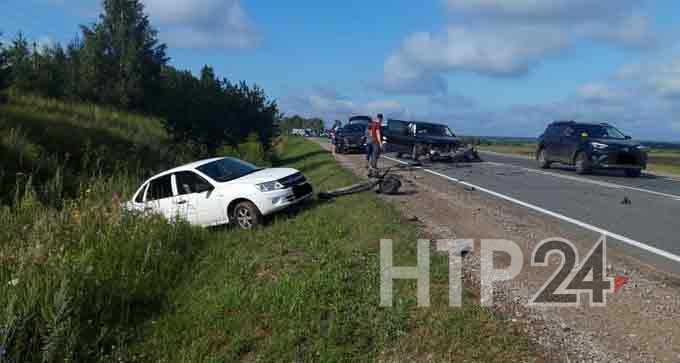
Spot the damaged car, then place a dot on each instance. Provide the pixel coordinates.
(590, 146)
(351, 137)
(425, 139)
(220, 191)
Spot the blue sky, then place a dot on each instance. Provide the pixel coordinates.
(485, 67)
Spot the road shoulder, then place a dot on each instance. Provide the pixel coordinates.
(636, 325)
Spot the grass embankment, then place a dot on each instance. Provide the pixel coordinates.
(660, 161)
(81, 281)
(306, 288)
(61, 145)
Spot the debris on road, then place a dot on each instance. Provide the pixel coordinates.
(626, 201)
(380, 180)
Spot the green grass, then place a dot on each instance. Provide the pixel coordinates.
(305, 288)
(82, 281)
(61, 145)
(661, 161)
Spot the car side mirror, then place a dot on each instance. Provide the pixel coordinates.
(627, 137)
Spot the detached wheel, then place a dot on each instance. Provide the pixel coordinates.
(583, 165)
(247, 216)
(633, 173)
(543, 163)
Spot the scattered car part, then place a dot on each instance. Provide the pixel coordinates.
(380, 180)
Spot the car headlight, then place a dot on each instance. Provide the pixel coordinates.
(599, 146)
(642, 148)
(269, 186)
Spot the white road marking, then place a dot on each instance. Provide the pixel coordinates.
(562, 217)
(667, 177)
(589, 181)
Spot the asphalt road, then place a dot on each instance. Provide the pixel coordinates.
(648, 225)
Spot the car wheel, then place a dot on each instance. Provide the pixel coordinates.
(633, 173)
(247, 216)
(543, 163)
(583, 165)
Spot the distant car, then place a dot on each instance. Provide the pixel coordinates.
(590, 146)
(220, 191)
(418, 139)
(350, 137)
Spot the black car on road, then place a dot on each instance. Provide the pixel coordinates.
(417, 139)
(350, 137)
(590, 146)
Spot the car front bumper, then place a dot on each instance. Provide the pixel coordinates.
(284, 198)
(619, 159)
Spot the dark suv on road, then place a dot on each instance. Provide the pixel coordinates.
(590, 146)
(350, 137)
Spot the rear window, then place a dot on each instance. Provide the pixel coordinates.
(140, 196)
(160, 188)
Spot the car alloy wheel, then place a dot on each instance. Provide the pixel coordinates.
(582, 164)
(245, 220)
(247, 215)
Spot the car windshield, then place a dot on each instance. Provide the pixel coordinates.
(224, 170)
(355, 128)
(360, 120)
(601, 132)
(433, 130)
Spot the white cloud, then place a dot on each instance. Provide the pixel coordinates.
(508, 38)
(598, 92)
(662, 77)
(203, 23)
(326, 103)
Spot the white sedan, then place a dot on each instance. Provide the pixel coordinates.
(219, 191)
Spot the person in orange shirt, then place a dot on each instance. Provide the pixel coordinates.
(374, 145)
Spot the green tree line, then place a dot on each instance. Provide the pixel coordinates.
(118, 61)
(298, 122)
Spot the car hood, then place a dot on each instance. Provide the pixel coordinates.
(438, 139)
(617, 142)
(265, 175)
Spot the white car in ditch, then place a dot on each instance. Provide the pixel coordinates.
(219, 191)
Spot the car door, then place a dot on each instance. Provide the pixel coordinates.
(551, 141)
(397, 135)
(570, 143)
(196, 199)
(160, 197)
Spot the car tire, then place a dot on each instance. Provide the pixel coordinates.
(246, 215)
(583, 165)
(543, 163)
(633, 173)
